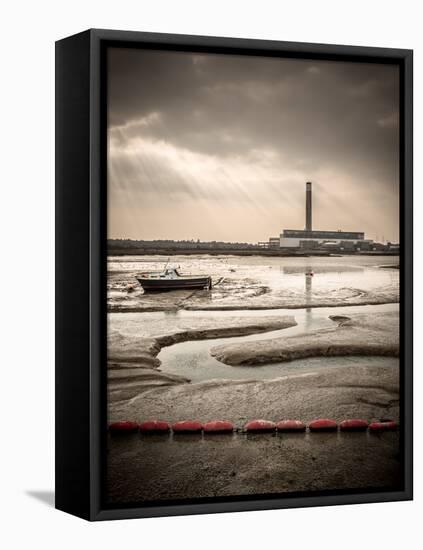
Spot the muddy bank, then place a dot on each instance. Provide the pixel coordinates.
(172, 467)
(360, 334)
(132, 358)
(237, 326)
(263, 299)
(347, 392)
(177, 467)
(187, 467)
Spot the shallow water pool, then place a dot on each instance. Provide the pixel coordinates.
(193, 360)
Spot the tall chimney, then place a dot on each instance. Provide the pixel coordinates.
(308, 207)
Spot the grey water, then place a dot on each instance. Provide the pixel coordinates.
(345, 280)
(193, 360)
(337, 280)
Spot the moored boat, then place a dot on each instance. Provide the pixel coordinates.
(171, 279)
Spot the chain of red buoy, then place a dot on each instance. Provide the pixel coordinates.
(252, 426)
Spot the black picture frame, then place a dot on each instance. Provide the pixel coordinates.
(81, 426)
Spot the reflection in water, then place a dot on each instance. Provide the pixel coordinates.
(308, 295)
(261, 280)
(336, 268)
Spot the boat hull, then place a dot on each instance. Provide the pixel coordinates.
(163, 285)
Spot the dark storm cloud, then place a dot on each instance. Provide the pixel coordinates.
(179, 122)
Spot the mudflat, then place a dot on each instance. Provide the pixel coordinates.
(156, 468)
(172, 467)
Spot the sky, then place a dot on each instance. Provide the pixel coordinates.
(218, 147)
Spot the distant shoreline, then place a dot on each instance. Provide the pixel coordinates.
(111, 251)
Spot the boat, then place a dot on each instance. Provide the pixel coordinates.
(171, 279)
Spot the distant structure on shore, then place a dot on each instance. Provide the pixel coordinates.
(291, 242)
(314, 239)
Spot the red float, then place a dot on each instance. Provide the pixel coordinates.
(383, 426)
(323, 425)
(187, 426)
(218, 426)
(154, 426)
(260, 426)
(353, 424)
(290, 426)
(124, 426)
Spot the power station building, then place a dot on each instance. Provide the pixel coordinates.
(309, 238)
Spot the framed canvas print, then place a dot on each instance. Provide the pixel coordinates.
(234, 274)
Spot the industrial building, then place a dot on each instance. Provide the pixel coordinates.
(309, 238)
